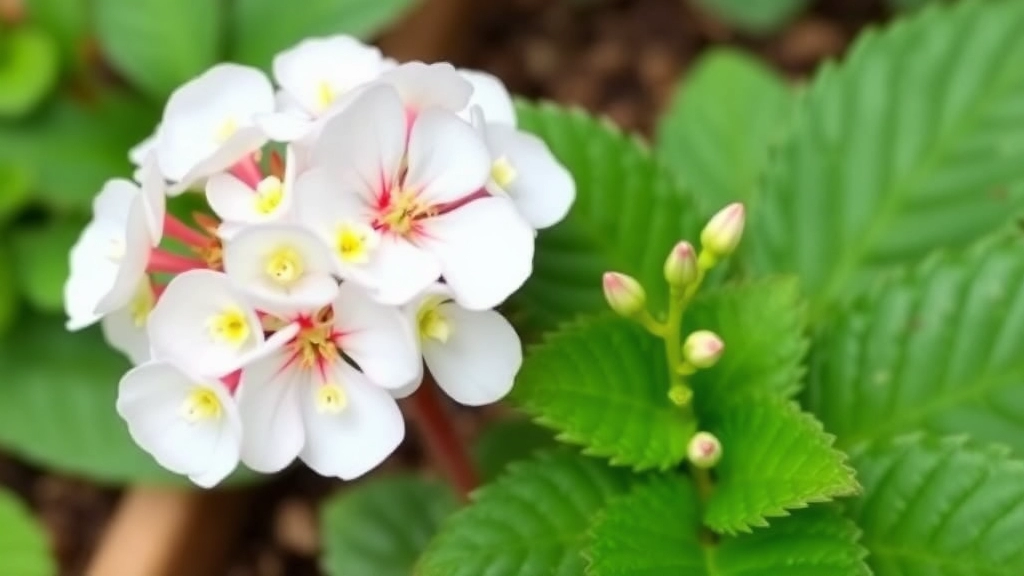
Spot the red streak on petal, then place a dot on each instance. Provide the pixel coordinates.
(456, 204)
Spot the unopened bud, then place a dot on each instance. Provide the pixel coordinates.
(702, 349)
(680, 394)
(704, 450)
(681, 265)
(723, 232)
(624, 294)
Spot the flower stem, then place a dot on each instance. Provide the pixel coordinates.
(446, 448)
(183, 233)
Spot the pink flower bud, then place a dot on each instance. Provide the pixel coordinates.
(624, 294)
(681, 265)
(702, 349)
(704, 450)
(723, 232)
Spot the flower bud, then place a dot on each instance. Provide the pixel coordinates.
(723, 232)
(704, 450)
(702, 349)
(624, 294)
(681, 265)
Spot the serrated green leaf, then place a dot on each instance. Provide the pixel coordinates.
(655, 530)
(909, 145)
(160, 44)
(381, 527)
(938, 348)
(8, 291)
(41, 261)
(940, 508)
(759, 16)
(774, 458)
(531, 521)
(722, 122)
(603, 383)
(29, 66)
(262, 28)
(762, 324)
(502, 443)
(24, 550)
(630, 210)
(67, 21)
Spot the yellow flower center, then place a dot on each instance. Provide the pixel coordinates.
(325, 95)
(269, 193)
(502, 172)
(403, 211)
(431, 321)
(315, 347)
(142, 304)
(354, 242)
(201, 404)
(225, 130)
(330, 398)
(229, 327)
(284, 266)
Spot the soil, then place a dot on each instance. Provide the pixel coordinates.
(620, 58)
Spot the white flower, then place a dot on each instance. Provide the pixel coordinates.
(189, 425)
(421, 86)
(125, 328)
(524, 169)
(314, 75)
(109, 260)
(491, 96)
(283, 268)
(209, 123)
(206, 325)
(305, 400)
(473, 355)
(406, 214)
(237, 204)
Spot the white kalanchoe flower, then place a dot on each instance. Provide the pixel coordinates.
(282, 268)
(315, 75)
(403, 215)
(473, 355)
(189, 425)
(489, 95)
(524, 169)
(422, 86)
(209, 123)
(237, 204)
(206, 325)
(110, 257)
(306, 401)
(125, 328)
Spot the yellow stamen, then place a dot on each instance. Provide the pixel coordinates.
(284, 266)
(225, 130)
(431, 322)
(142, 304)
(229, 327)
(269, 194)
(314, 346)
(354, 242)
(201, 404)
(403, 211)
(116, 250)
(325, 95)
(330, 398)
(502, 172)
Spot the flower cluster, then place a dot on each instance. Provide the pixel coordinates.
(365, 216)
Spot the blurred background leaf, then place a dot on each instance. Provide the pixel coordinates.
(29, 66)
(758, 16)
(41, 259)
(67, 22)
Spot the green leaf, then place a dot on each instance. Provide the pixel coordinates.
(938, 348)
(722, 121)
(8, 292)
(29, 66)
(774, 458)
(24, 550)
(160, 44)
(909, 145)
(940, 508)
(761, 16)
(41, 256)
(762, 324)
(262, 28)
(381, 527)
(655, 530)
(15, 190)
(532, 521)
(629, 212)
(502, 443)
(603, 383)
(67, 21)
(57, 410)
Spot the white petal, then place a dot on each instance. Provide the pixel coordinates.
(485, 249)
(542, 188)
(92, 273)
(132, 265)
(137, 154)
(114, 201)
(125, 328)
(283, 268)
(378, 338)
(231, 199)
(317, 70)
(353, 441)
(284, 126)
(479, 361)
(399, 270)
(448, 160)
(154, 198)
(182, 325)
(422, 86)
(271, 415)
(325, 209)
(491, 95)
(245, 140)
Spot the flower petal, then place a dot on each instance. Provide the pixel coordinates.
(154, 198)
(378, 338)
(542, 188)
(271, 415)
(422, 86)
(399, 270)
(132, 264)
(491, 95)
(318, 70)
(125, 328)
(447, 158)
